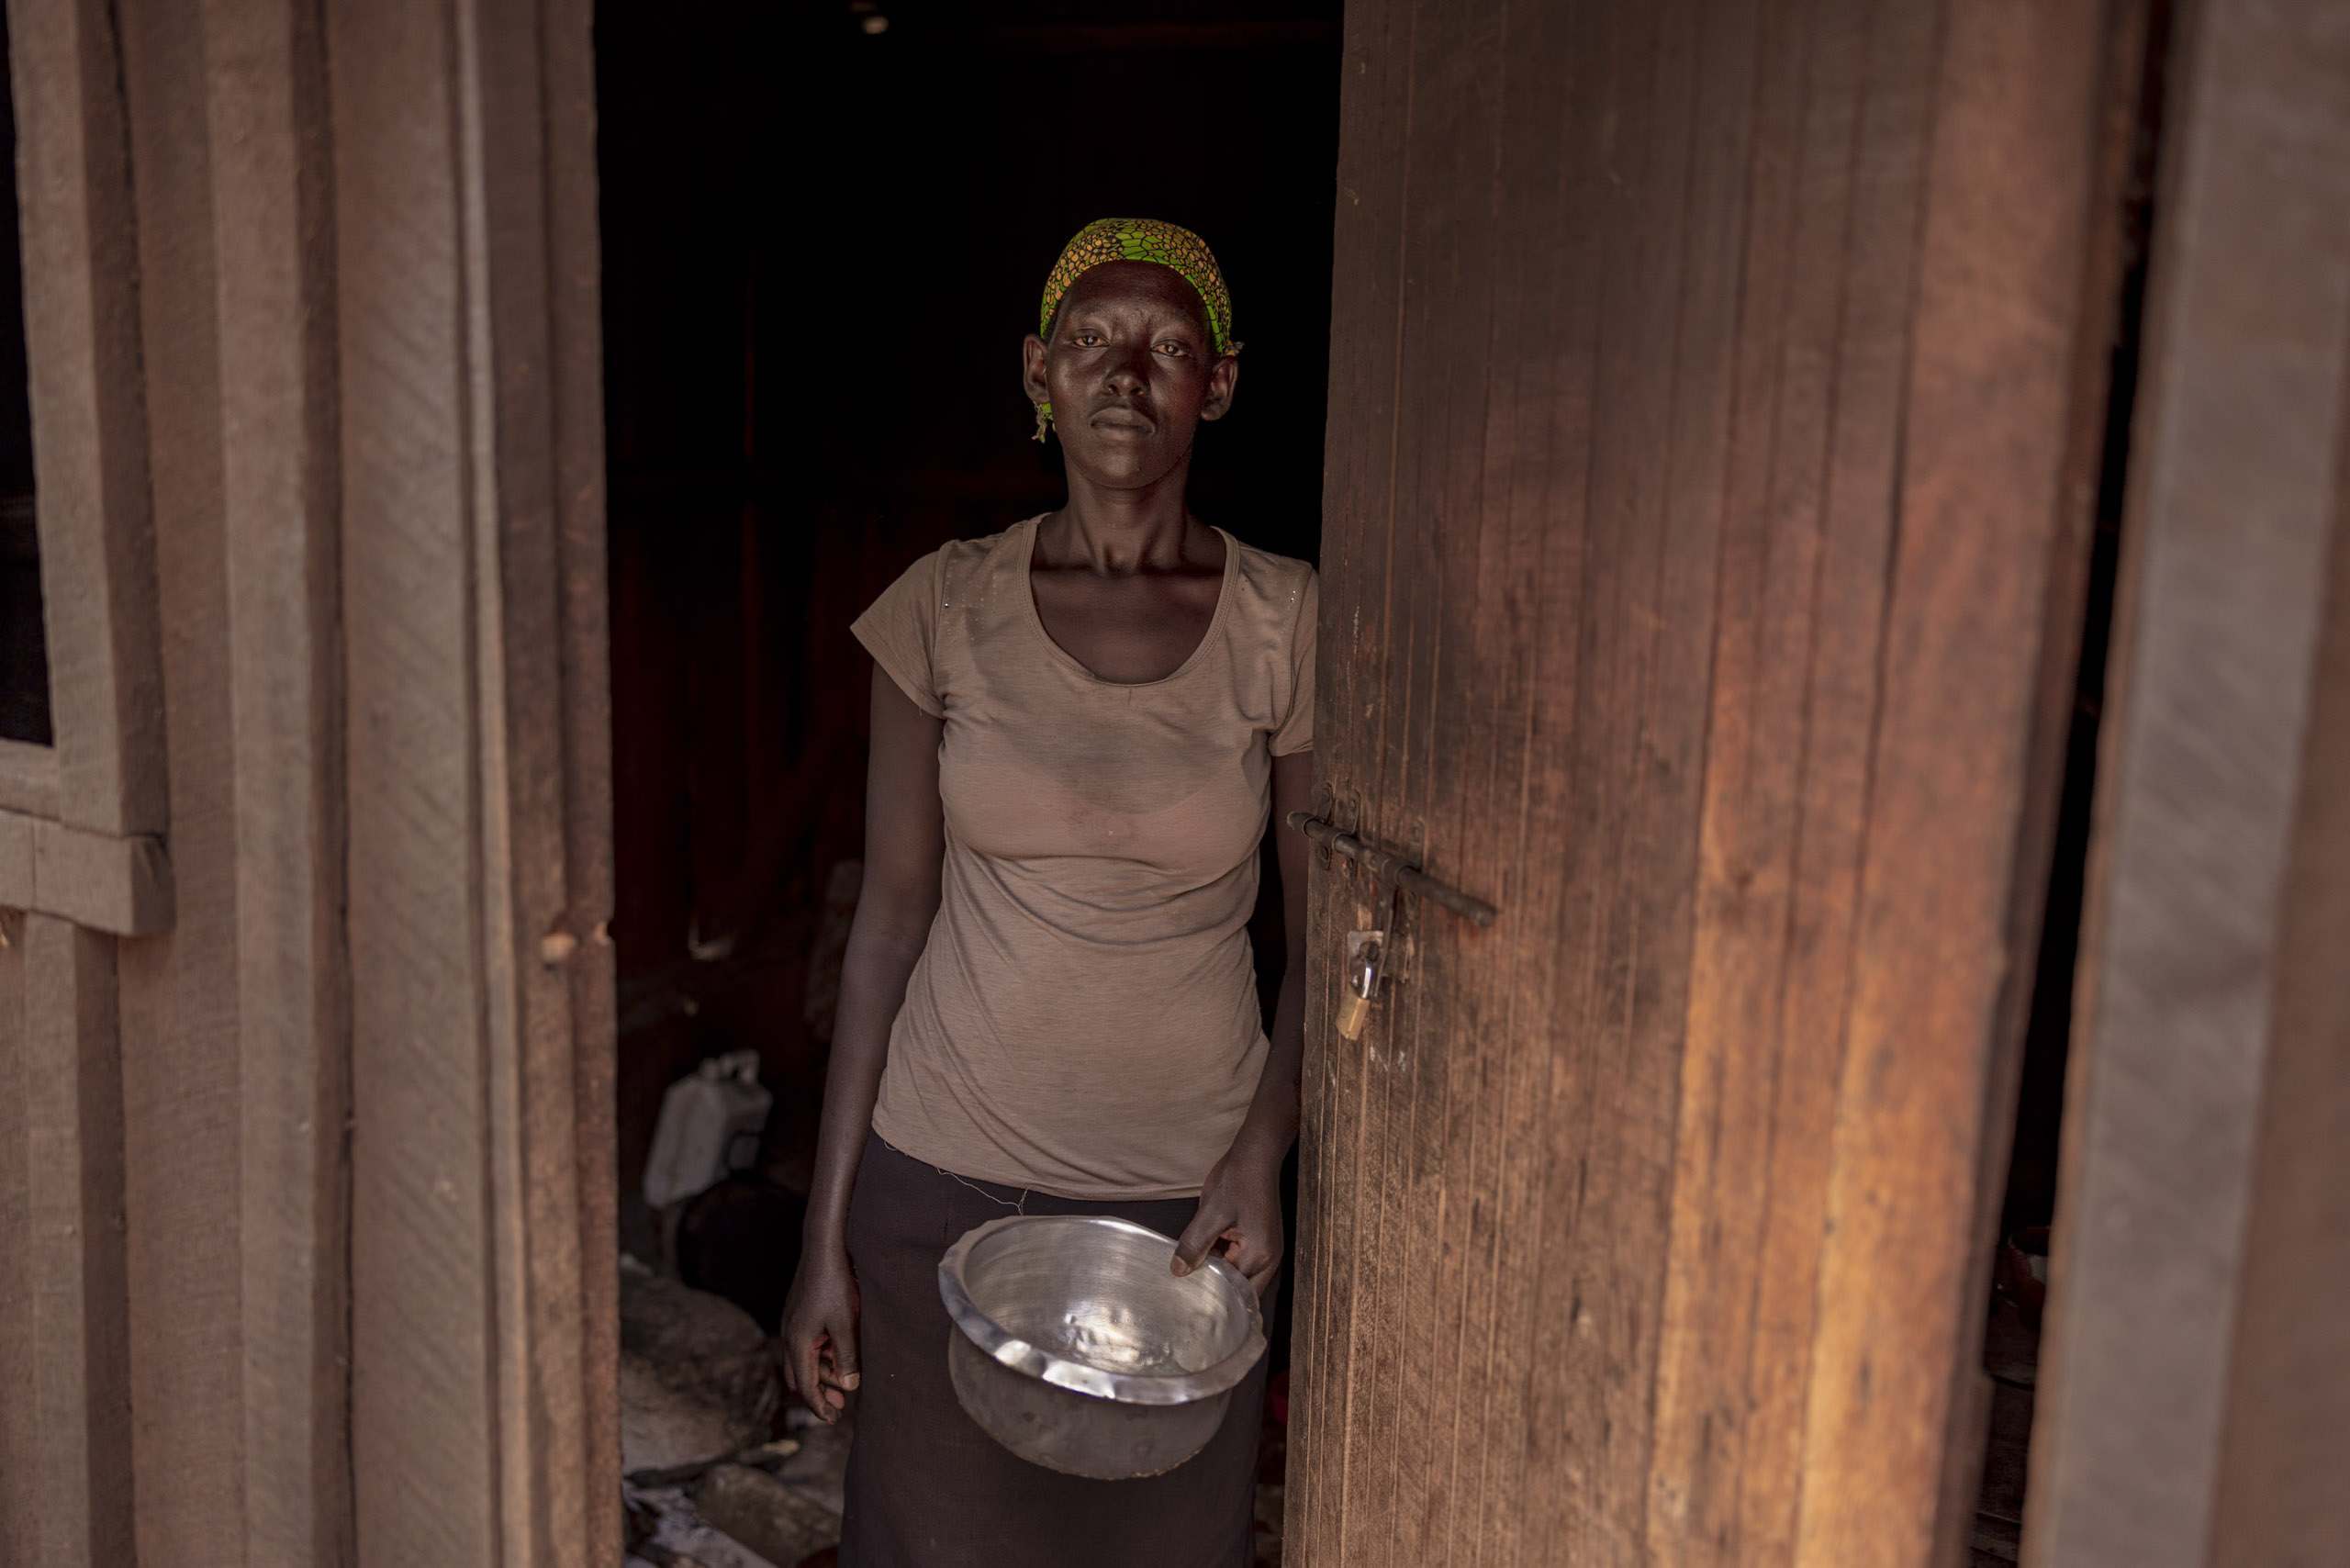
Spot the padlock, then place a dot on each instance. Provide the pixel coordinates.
(1366, 951)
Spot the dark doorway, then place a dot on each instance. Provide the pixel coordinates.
(825, 231)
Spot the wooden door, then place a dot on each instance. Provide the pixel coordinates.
(1715, 404)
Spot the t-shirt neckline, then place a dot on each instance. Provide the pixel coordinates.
(1027, 555)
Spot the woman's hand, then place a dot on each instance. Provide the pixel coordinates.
(819, 1331)
(1239, 1216)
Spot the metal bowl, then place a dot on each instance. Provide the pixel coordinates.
(1076, 1347)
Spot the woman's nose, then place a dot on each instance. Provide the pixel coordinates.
(1130, 370)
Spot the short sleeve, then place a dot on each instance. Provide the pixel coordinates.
(1297, 732)
(901, 629)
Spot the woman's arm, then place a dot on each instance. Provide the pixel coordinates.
(1240, 1203)
(905, 838)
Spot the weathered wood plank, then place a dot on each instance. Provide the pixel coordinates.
(1444, 348)
(425, 1224)
(1794, 703)
(2189, 997)
(539, 446)
(21, 1436)
(2280, 1498)
(73, 1151)
(180, 1042)
(263, 70)
(1983, 504)
(576, 389)
(1536, 439)
(1634, 762)
(1711, 1415)
(472, 550)
(1358, 460)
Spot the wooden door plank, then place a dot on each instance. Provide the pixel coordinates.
(1507, 810)
(1805, 104)
(1636, 763)
(1794, 704)
(1366, 288)
(2015, 154)
(1448, 243)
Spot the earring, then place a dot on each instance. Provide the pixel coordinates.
(1044, 419)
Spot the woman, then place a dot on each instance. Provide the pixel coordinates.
(1082, 729)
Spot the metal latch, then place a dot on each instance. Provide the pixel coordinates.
(1393, 869)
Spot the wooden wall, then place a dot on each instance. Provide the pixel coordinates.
(2199, 1371)
(305, 1034)
(1715, 402)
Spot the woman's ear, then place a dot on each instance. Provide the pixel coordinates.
(1222, 377)
(1031, 370)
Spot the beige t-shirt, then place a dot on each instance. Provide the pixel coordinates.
(1083, 1019)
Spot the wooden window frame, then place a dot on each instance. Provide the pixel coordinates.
(82, 821)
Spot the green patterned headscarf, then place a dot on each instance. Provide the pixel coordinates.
(1138, 240)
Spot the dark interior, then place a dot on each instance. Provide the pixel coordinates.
(825, 232)
(24, 651)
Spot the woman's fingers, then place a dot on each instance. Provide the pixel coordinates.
(843, 1360)
(1253, 1256)
(801, 1370)
(1211, 1224)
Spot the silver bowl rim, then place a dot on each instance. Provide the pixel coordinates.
(1124, 1388)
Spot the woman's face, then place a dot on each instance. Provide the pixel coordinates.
(1131, 371)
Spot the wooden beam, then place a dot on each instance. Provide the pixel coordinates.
(2287, 1427)
(20, 1435)
(180, 1005)
(2198, 1159)
(64, 1370)
(72, 1112)
(234, 1024)
(263, 73)
(471, 571)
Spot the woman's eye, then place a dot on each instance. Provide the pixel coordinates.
(1171, 346)
(1086, 339)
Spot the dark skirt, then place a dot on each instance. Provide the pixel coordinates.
(927, 1488)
